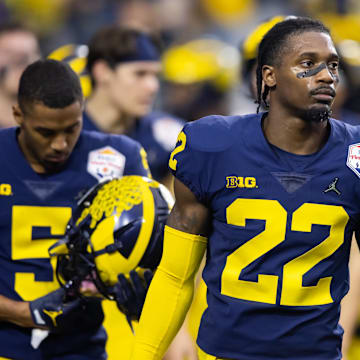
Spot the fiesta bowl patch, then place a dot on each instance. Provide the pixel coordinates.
(105, 162)
(353, 158)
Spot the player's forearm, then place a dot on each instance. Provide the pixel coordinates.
(170, 294)
(16, 312)
(162, 316)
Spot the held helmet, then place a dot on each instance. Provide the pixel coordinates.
(117, 226)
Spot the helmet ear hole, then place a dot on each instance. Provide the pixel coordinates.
(117, 226)
(131, 232)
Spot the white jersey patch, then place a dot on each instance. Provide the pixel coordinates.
(353, 158)
(166, 131)
(106, 162)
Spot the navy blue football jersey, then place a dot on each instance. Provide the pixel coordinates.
(35, 209)
(282, 224)
(157, 133)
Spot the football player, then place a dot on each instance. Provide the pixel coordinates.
(249, 50)
(124, 65)
(274, 198)
(47, 163)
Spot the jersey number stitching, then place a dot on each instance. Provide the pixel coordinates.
(293, 293)
(179, 148)
(23, 247)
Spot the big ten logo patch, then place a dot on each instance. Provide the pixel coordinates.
(240, 182)
(5, 190)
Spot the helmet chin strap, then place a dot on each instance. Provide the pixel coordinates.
(109, 249)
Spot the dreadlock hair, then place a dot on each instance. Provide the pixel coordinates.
(274, 45)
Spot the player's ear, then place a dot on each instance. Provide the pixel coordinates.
(101, 72)
(18, 114)
(268, 75)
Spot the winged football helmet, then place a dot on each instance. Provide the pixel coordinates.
(117, 226)
(76, 56)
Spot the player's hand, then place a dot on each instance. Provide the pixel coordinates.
(52, 312)
(183, 347)
(130, 293)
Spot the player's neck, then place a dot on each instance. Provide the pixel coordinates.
(294, 134)
(106, 116)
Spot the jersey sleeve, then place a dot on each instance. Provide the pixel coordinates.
(137, 163)
(135, 156)
(141, 163)
(191, 162)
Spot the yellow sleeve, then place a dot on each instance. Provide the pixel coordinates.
(169, 295)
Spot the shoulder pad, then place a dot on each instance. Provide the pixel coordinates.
(344, 132)
(212, 133)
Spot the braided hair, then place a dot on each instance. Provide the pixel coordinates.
(275, 43)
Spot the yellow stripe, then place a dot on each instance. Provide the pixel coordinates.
(85, 85)
(251, 44)
(78, 64)
(146, 227)
(145, 162)
(62, 52)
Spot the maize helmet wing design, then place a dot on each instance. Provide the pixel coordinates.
(76, 56)
(117, 226)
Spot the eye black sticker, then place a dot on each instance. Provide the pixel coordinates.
(311, 72)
